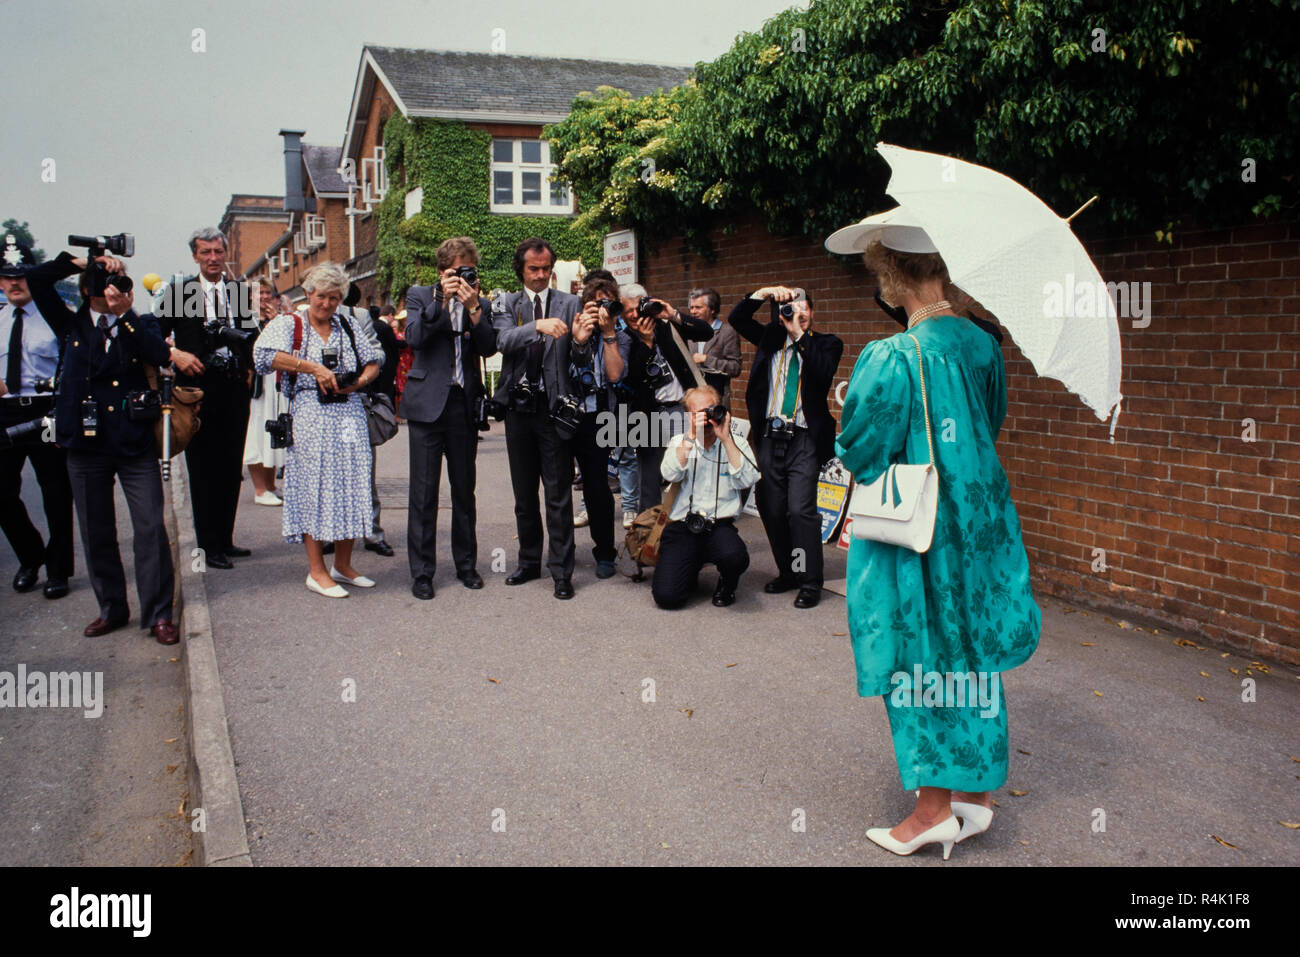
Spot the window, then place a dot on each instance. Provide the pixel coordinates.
(521, 179)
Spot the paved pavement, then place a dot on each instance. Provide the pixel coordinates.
(89, 791)
(504, 727)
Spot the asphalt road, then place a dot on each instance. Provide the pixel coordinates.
(504, 727)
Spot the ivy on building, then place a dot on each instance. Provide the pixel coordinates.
(452, 163)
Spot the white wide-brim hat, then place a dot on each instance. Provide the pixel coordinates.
(896, 229)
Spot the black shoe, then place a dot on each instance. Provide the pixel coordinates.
(522, 575)
(56, 588)
(809, 596)
(234, 552)
(470, 579)
(219, 560)
(422, 587)
(563, 588)
(26, 578)
(724, 594)
(382, 548)
(778, 585)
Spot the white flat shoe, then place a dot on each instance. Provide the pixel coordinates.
(268, 498)
(332, 592)
(361, 581)
(975, 819)
(945, 833)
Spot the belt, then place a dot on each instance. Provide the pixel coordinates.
(22, 401)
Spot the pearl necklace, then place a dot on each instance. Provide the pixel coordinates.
(942, 307)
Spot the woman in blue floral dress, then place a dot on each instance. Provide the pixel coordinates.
(327, 471)
(932, 632)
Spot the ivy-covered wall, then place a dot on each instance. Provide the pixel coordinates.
(453, 163)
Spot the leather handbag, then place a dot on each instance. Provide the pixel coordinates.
(899, 507)
(642, 541)
(187, 400)
(381, 417)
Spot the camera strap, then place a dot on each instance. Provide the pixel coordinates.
(691, 365)
(297, 347)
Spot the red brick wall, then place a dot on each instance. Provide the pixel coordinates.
(1199, 527)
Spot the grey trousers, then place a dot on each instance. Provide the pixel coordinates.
(376, 530)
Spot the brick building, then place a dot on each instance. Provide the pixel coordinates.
(251, 224)
(1189, 518)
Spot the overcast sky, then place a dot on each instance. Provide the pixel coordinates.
(148, 137)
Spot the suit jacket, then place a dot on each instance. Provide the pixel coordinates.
(722, 359)
(819, 356)
(430, 336)
(40, 283)
(187, 330)
(691, 330)
(512, 318)
(92, 372)
(386, 382)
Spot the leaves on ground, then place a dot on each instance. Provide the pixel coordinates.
(1019, 794)
(1223, 842)
(495, 681)
(687, 711)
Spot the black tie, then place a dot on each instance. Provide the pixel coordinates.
(535, 350)
(14, 374)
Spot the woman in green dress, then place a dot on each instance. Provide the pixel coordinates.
(933, 632)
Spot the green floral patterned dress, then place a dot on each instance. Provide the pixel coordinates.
(930, 629)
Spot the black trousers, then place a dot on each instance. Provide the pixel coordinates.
(536, 452)
(593, 463)
(682, 554)
(787, 503)
(50, 463)
(215, 460)
(91, 475)
(454, 437)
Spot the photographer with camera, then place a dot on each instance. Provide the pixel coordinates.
(719, 358)
(32, 329)
(327, 472)
(449, 333)
(787, 401)
(713, 467)
(533, 334)
(106, 411)
(213, 351)
(660, 370)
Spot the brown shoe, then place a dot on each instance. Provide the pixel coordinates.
(165, 632)
(102, 626)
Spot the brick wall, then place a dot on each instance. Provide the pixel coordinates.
(1199, 527)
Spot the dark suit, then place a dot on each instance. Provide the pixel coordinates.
(120, 449)
(440, 415)
(534, 447)
(722, 361)
(215, 456)
(787, 492)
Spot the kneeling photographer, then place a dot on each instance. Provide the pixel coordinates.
(713, 467)
(659, 370)
(106, 411)
(327, 471)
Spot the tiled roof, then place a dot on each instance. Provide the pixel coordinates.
(322, 164)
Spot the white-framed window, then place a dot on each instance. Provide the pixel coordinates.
(521, 179)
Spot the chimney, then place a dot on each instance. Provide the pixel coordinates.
(294, 199)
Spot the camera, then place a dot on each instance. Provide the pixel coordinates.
(525, 398)
(658, 373)
(345, 380)
(27, 432)
(647, 308)
(44, 385)
(567, 416)
(485, 408)
(780, 431)
(467, 274)
(613, 308)
(787, 311)
(697, 524)
(218, 336)
(585, 381)
(97, 277)
(144, 406)
(717, 414)
(281, 431)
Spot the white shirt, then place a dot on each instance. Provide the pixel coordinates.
(111, 334)
(545, 297)
(40, 347)
(706, 474)
(210, 292)
(777, 376)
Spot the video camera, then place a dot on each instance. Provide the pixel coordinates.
(97, 277)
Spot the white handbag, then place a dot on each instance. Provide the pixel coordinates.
(899, 507)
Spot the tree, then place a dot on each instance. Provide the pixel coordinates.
(23, 234)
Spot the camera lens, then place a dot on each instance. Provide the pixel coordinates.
(787, 311)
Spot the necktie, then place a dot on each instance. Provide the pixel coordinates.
(458, 326)
(14, 372)
(535, 350)
(791, 399)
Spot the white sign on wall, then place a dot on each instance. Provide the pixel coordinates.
(620, 255)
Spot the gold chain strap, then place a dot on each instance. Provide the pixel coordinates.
(925, 401)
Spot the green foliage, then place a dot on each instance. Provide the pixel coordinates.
(1154, 106)
(22, 233)
(452, 163)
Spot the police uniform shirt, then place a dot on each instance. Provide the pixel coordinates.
(777, 376)
(705, 471)
(40, 347)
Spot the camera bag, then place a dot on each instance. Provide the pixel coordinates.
(184, 420)
(642, 541)
(381, 417)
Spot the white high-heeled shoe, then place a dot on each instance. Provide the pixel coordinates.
(975, 818)
(361, 581)
(333, 591)
(945, 833)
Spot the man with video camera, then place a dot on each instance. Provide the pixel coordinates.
(449, 332)
(32, 329)
(213, 328)
(533, 329)
(788, 410)
(105, 416)
(659, 370)
(713, 467)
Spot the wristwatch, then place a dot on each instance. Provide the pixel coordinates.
(608, 338)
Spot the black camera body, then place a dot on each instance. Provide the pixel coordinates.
(717, 414)
(27, 433)
(467, 274)
(698, 524)
(780, 431)
(647, 308)
(658, 373)
(144, 406)
(525, 398)
(585, 382)
(612, 307)
(97, 277)
(217, 336)
(485, 408)
(281, 431)
(567, 416)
